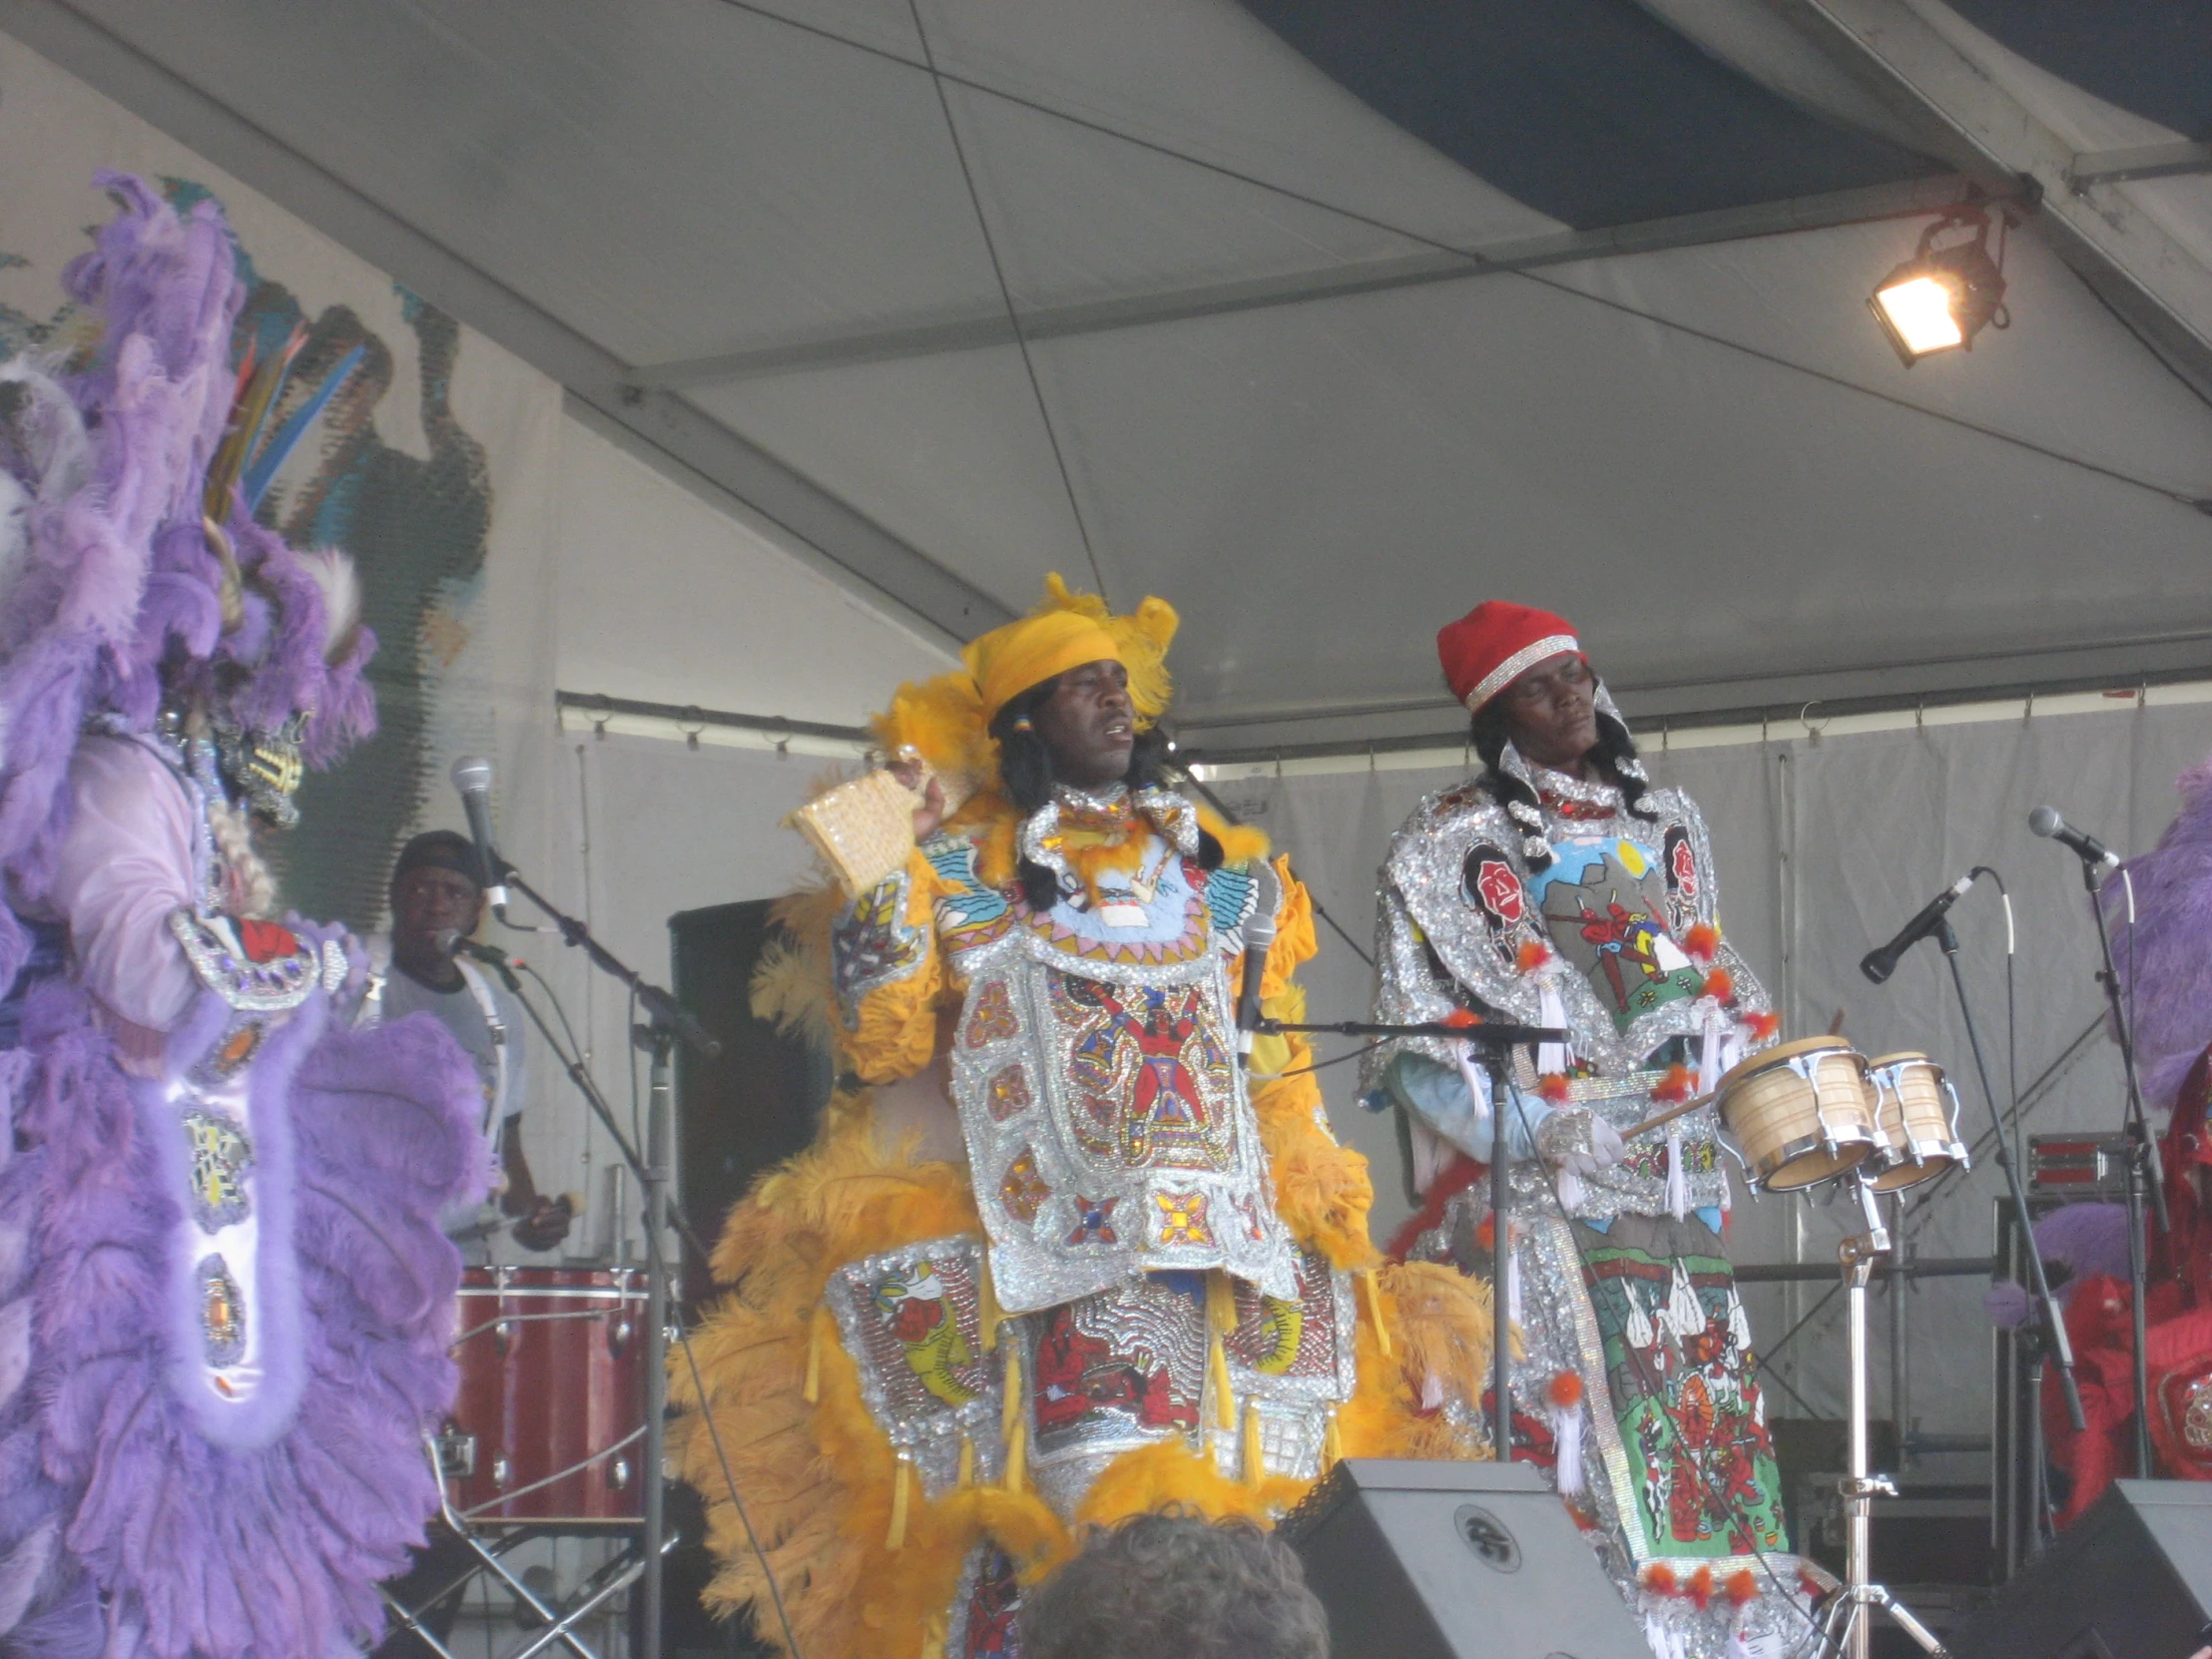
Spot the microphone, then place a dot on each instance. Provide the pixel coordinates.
(1259, 938)
(2046, 821)
(472, 776)
(489, 955)
(1878, 965)
(450, 942)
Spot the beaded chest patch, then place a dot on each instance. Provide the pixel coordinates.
(1152, 1075)
(1108, 1126)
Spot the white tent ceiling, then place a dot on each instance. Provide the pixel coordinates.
(744, 230)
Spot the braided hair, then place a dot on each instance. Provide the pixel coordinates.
(1613, 747)
(1025, 771)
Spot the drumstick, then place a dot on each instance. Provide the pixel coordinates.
(1680, 1109)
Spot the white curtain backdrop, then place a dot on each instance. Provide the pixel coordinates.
(1825, 846)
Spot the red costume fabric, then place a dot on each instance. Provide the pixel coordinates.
(2177, 1333)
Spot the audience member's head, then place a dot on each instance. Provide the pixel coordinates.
(1176, 1586)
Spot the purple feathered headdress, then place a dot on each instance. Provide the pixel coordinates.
(117, 582)
(2164, 963)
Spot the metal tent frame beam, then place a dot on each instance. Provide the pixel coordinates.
(982, 328)
(2155, 284)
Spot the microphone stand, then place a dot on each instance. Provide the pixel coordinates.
(2054, 1323)
(2144, 1168)
(1494, 1040)
(666, 1022)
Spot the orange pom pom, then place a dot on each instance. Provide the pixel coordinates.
(1763, 1026)
(1459, 1020)
(1700, 1587)
(1703, 941)
(1565, 1390)
(1487, 1232)
(1659, 1578)
(1742, 1588)
(1533, 954)
(1552, 1086)
(1676, 1085)
(1720, 985)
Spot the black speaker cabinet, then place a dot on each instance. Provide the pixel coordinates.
(2131, 1579)
(754, 1104)
(1455, 1561)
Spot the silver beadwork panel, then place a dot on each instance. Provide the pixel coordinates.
(911, 1319)
(1108, 1128)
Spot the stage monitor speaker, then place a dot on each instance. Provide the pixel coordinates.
(754, 1104)
(1417, 1560)
(2131, 1579)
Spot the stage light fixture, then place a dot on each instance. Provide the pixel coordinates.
(1943, 296)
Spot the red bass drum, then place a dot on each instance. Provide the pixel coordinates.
(549, 1426)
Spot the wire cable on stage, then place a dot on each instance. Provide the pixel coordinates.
(1006, 296)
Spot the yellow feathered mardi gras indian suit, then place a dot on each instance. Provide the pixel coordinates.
(1050, 1261)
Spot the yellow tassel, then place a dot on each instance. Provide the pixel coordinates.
(1011, 1409)
(1373, 1298)
(933, 1637)
(1017, 1454)
(1225, 1403)
(987, 1312)
(1331, 1444)
(897, 1539)
(1254, 1454)
(1220, 1315)
(967, 1459)
(812, 1391)
(1221, 1303)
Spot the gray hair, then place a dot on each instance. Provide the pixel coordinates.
(1176, 1586)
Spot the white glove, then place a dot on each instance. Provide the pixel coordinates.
(1577, 1140)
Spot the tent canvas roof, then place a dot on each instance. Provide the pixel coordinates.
(1263, 374)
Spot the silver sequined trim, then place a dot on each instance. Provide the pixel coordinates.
(1519, 663)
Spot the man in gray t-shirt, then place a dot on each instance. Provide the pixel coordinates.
(435, 901)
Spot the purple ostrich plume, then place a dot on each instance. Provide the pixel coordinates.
(2164, 965)
(137, 1521)
(251, 1550)
(110, 591)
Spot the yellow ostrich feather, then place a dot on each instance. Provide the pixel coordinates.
(819, 1474)
(819, 1477)
(1143, 637)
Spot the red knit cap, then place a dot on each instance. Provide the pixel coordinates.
(1495, 643)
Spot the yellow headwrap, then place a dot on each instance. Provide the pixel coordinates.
(947, 719)
(1008, 660)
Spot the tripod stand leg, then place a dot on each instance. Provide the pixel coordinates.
(1844, 1620)
(1908, 1623)
(414, 1625)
